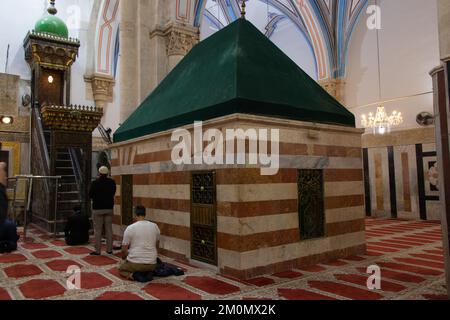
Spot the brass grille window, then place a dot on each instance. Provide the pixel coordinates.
(203, 217)
(311, 207)
(203, 188)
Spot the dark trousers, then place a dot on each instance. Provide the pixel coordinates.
(8, 236)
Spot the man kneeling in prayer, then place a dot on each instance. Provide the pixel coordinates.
(140, 248)
(77, 228)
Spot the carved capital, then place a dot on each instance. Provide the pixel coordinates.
(102, 88)
(334, 87)
(180, 39)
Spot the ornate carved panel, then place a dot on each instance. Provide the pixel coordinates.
(50, 51)
(311, 206)
(203, 218)
(72, 118)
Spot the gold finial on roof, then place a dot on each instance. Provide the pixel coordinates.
(52, 9)
(243, 9)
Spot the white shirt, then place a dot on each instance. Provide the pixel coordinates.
(142, 237)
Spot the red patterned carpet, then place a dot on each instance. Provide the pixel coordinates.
(408, 252)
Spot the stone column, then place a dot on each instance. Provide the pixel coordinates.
(334, 87)
(443, 151)
(158, 57)
(102, 89)
(160, 14)
(128, 66)
(151, 45)
(444, 27)
(145, 23)
(441, 80)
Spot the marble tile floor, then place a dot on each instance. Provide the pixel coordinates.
(409, 254)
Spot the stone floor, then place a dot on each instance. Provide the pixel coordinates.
(409, 254)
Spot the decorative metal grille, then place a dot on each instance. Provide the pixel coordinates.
(204, 244)
(311, 206)
(203, 188)
(204, 218)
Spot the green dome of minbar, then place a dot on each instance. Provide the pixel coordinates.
(53, 25)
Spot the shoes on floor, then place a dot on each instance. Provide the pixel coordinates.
(110, 253)
(143, 277)
(94, 254)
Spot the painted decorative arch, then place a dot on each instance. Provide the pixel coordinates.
(106, 38)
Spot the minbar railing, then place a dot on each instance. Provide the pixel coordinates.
(39, 142)
(42, 193)
(76, 159)
(105, 133)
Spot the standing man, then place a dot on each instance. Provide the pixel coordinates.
(102, 193)
(140, 248)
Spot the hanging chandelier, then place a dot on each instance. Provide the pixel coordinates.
(381, 122)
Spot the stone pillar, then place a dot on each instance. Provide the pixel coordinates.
(151, 45)
(334, 87)
(128, 65)
(444, 27)
(441, 81)
(443, 152)
(158, 57)
(102, 89)
(144, 59)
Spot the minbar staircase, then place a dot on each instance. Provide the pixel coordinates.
(69, 191)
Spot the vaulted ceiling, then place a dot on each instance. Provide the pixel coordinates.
(326, 24)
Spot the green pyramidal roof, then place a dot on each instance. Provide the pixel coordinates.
(236, 70)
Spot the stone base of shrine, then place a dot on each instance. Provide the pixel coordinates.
(260, 220)
(277, 267)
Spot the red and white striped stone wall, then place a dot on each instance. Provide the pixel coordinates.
(258, 223)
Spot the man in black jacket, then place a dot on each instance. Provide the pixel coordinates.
(8, 229)
(77, 228)
(102, 193)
